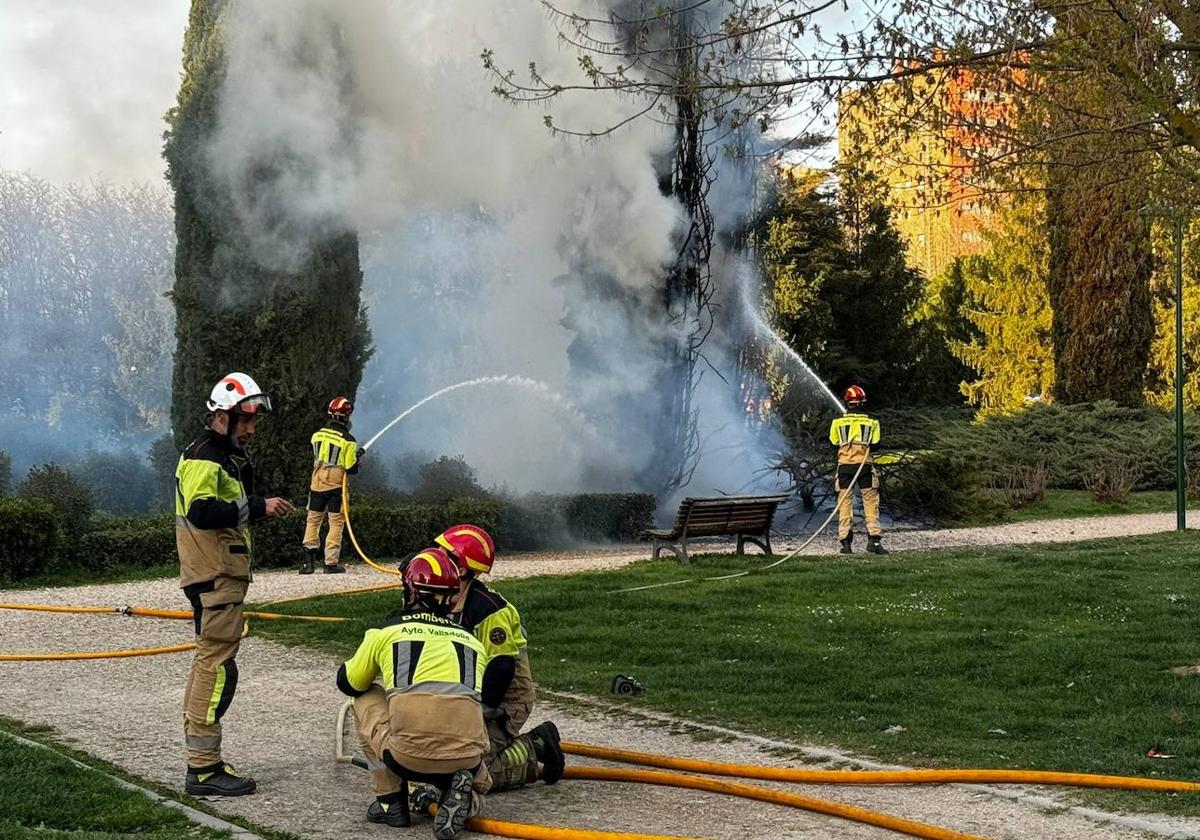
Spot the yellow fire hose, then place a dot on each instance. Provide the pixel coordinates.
(525, 831)
(353, 539)
(143, 612)
(879, 777)
(148, 612)
(104, 654)
(794, 800)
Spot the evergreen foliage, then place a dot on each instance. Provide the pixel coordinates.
(1160, 375)
(5, 473)
(70, 498)
(302, 334)
(1009, 309)
(839, 290)
(1100, 260)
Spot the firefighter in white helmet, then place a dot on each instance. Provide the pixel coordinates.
(215, 506)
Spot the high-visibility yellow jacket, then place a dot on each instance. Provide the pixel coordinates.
(335, 453)
(854, 435)
(214, 507)
(432, 672)
(497, 625)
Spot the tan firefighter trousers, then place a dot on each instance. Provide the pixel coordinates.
(217, 611)
(333, 539)
(870, 500)
(373, 720)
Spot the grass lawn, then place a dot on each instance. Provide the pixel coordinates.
(45, 795)
(1063, 504)
(1039, 657)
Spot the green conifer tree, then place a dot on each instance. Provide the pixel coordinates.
(1009, 307)
(301, 334)
(1099, 284)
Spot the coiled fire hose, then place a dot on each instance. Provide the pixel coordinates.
(772, 565)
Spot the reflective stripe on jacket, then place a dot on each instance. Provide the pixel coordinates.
(335, 453)
(432, 672)
(214, 508)
(854, 434)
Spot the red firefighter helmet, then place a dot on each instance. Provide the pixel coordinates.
(340, 407)
(470, 546)
(431, 581)
(855, 397)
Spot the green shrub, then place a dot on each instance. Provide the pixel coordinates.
(71, 499)
(5, 473)
(30, 539)
(944, 487)
(121, 483)
(1070, 440)
(605, 517)
(136, 541)
(393, 530)
(444, 479)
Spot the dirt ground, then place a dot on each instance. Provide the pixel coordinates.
(281, 730)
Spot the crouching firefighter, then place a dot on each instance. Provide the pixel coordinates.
(854, 434)
(513, 759)
(335, 454)
(214, 507)
(425, 722)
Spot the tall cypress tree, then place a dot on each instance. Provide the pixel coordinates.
(301, 334)
(1099, 285)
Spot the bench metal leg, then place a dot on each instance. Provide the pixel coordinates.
(763, 541)
(683, 558)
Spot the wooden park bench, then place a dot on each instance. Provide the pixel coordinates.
(746, 517)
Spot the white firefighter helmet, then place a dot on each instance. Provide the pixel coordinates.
(240, 394)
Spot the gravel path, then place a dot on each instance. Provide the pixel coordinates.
(281, 725)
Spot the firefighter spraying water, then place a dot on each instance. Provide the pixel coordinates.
(335, 455)
(855, 434)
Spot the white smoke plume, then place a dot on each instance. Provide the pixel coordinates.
(378, 117)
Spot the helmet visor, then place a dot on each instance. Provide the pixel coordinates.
(256, 404)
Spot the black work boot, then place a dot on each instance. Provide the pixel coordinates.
(548, 751)
(334, 568)
(390, 810)
(218, 779)
(846, 543)
(310, 558)
(454, 808)
(875, 545)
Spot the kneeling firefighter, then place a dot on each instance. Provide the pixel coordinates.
(854, 434)
(514, 759)
(425, 723)
(214, 507)
(335, 454)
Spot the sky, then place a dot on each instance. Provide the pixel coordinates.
(84, 85)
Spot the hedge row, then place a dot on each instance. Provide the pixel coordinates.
(31, 540)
